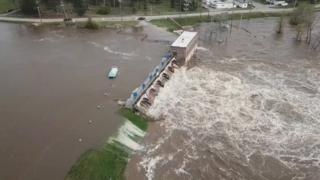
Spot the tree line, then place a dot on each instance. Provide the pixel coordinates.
(29, 7)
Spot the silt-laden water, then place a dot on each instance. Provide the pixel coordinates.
(246, 109)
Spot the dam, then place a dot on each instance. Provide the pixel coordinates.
(180, 53)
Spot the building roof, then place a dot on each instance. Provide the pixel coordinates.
(184, 39)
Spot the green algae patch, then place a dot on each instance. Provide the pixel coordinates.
(137, 120)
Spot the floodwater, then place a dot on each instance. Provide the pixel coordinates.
(53, 82)
(248, 108)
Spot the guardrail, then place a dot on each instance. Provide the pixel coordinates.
(137, 93)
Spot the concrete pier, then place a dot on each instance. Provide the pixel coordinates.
(180, 53)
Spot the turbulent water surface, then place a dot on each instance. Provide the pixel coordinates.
(248, 108)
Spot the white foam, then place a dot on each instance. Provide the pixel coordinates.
(254, 111)
(149, 165)
(202, 48)
(126, 134)
(109, 50)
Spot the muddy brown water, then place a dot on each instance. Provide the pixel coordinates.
(247, 108)
(53, 82)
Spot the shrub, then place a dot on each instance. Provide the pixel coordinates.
(90, 24)
(104, 10)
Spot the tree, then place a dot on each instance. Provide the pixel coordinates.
(303, 18)
(145, 5)
(51, 4)
(80, 6)
(28, 7)
(172, 2)
(280, 25)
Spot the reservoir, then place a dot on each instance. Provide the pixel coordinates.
(56, 101)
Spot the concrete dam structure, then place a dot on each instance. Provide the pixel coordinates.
(181, 51)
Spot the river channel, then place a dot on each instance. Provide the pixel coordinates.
(247, 108)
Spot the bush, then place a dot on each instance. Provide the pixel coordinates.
(90, 24)
(104, 10)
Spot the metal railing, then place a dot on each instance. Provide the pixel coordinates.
(137, 93)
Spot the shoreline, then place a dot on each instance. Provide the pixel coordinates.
(110, 160)
(148, 18)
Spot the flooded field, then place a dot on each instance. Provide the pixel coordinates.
(55, 99)
(246, 109)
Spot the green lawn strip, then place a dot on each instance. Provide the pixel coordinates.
(108, 162)
(5, 5)
(137, 120)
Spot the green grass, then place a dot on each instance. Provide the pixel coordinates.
(5, 5)
(165, 23)
(137, 120)
(109, 161)
(106, 163)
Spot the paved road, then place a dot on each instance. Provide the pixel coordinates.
(259, 8)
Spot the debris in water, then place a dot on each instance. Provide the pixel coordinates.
(90, 121)
(99, 106)
(121, 103)
(80, 140)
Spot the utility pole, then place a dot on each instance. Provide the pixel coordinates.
(63, 10)
(180, 8)
(121, 10)
(39, 12)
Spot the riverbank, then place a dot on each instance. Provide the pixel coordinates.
(110, 160)
(262, 9)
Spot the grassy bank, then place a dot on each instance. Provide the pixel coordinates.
(137, 120)
(192, 21)
(109, 161)
(5, 5)
(109, 24)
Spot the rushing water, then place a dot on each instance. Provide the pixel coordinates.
(55, 99)
(248, 108)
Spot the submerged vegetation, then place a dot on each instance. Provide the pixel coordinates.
(280, 25)
(90, 24)
(303, 19)
(109, 161)
(192, 21)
